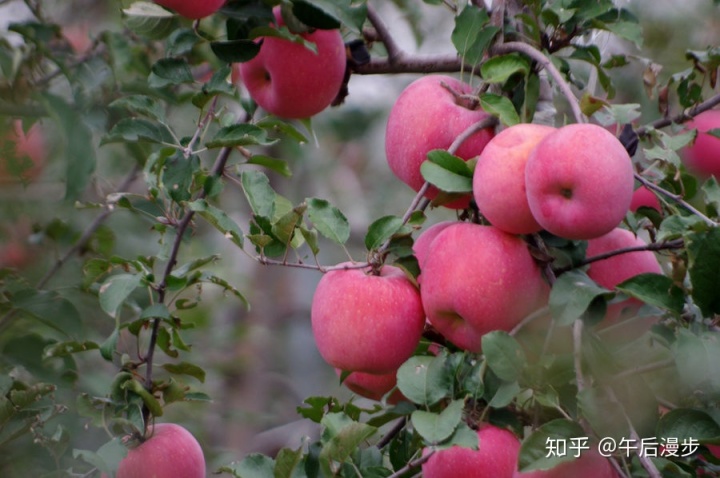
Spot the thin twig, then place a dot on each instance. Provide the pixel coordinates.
(412, 465)
(676, 198)
(653, 246)
(545, 62)
(651, 367)
(682, 117)
(392, 433)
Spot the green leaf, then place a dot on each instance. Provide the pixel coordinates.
(499, 69)
(342, 11)
(108, 347)
(170, 71)
(138, 129)
(156, 311)
(704, 254)
(471, 36)
(185, 368)
(63, 349)
(277, 125)
(178, 176)
(534, 449)
(655, 289)
(254, 465)
(148, 398)
(235, 51)
(500, 107)
(711, 192)
(697, 358)
(571, 296)
(686, 424)
(423, 380)
(50, 309)
(447, 172)
(258, 192)
(219, 219)
(242, 134)
(284, 228)
(149, 20)
(438, 427)
(381, 230)
(141, 105)
(115, 290)
(287, 463)
(328, 220)
(343, 444)
(504, 355)
(274, 164)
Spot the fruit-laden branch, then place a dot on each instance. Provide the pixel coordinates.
(653, 246)
(545, 62)
(79, 244)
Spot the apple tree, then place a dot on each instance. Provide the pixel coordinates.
(502, 218)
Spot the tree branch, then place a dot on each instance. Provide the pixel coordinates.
(676, 198)
(682, 117)
(653, 246)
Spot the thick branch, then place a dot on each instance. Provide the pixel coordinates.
(654, 246)
(411, 64)
(393, 49)
(682, 117)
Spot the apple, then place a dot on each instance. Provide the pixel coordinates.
(703, 156)
(643, 197)
(579, 181)
(365, 321)
(611, 271)
(428, 116)
(289, 80)
(169, 451)
(373, 386)
(590, 464)
(422, 243)
(496, 457)
(22, 155)
(499, 178)
(477, 279)
(193, 9)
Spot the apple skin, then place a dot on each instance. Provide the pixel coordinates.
(291, 81)
(611, 271)
(364, 322)
(499, 178)
(579, 182)
(496, 457)
(421, 246)
(590, 464)
(193, 9)
(702, 158)
(478, 279)
(426, 117)
(373, 386)
(643, 197)
(22, 151)
(169, 452)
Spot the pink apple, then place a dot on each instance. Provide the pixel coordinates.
(373, 386)
(422, 243)
(499, 178)
(289, 80)
(579, 182)
(427, 116)
(643, 197)
(170, 451)
(22, 155)
(496, 457)
(192, 9)
(363, 322)
(590, 464)
(611, 271)
(478, 279)
(703, 156)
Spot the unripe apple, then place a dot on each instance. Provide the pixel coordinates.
(373, 386)
(22, 155)
(703, 156)
(365, 321)
(590, 464)
(169, 451)
(643, 197)
(193, 9)
(579, 182)
(291, 81)
(499, 178)
(477, 279)
(496, 457)
(428, 116)
(611, 271)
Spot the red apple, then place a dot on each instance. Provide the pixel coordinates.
(703, 156)
(428, 116)
(590, 464)
(170, 451)
(478, 279)
(363, 322)
(291, 81)
(192, 9)
(643, 197)
(579, 182)
(499, 178)
(422, 243)
(496, 457)
(22, 155)
(373, 386)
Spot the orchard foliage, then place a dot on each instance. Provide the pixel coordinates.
(94, 337)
